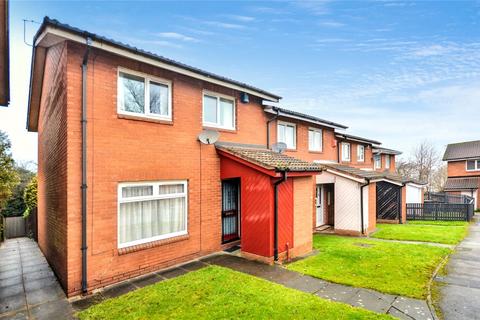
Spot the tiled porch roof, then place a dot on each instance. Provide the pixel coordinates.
(266, 158)
(364, 174)
(462, 183)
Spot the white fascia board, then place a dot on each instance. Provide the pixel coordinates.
(346, 176)
(286, 115)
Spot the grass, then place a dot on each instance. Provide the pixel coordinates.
(439, 232)
(219, 293)
(395, 268)
(438, 223)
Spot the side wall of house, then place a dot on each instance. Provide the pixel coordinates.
(372, 207)
(52, 163)
(459, 169)
(303, 210)
(133, 150)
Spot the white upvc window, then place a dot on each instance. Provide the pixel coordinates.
(360, 153)
(346, 151)
(315, 142)
(287, 133)
(473, 165)
(143, 95)
(377, 161)
(218, 111)
(387, 161)
(151, 211)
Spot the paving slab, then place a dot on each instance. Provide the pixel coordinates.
(372, 300)
(417, 309)
(460, 288)
(28, 287)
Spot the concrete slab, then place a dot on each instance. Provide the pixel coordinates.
(194, 265)
(398, 314)
(144, 281)
(59, 309)
(459, 302)
(371, 300)
(417, 309)
(172, 273)
(118, 289)
(306, 284)
(336, 292)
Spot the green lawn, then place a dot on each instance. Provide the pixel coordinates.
(438, 223)
(441, 232)
(395, 268)
(220, 293)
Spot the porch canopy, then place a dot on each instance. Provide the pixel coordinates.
(275, 193)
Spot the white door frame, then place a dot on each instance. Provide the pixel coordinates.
(319, 204)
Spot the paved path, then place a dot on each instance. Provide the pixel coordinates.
(397, 306)
(461, 287)
(28, 287)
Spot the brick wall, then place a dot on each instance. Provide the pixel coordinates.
(367, 163)
(372, 207)
(303, 210)
(52, 164)
(459, 169)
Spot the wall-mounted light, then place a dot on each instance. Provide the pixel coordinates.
(244, 98)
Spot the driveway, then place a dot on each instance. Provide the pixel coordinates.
(28, 287)
(460, 289)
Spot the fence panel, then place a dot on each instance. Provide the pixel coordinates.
(439, 211)
(14, 227)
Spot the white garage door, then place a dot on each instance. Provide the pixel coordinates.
(414, 194)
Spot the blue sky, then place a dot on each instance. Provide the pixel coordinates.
(395, 71)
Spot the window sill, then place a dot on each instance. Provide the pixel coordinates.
(219, 129)
(317, 152)
(146, 119)
(153, 244)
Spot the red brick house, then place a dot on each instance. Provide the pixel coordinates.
(463, 169)
(125, 186)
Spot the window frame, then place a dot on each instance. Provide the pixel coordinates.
(219, 96)
(146, 80)
(286, 124)
(477, 165)
(317, 130)
(360, 146)
(387, 161)
(375, 161)
(349, 152)
(156, 196)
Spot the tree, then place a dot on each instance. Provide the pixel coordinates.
(15, 205)
(30, 196)
(8, 175)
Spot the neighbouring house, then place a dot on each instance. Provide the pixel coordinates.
(4, 55)
(463, 169)
(125, 187)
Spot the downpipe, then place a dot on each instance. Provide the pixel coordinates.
(275, 215)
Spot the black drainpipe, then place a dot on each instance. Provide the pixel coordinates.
(268, 127)
(84, 166)
(275, 216)
(361, 204)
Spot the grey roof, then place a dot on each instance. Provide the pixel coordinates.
(55, 23)
(462, 183)
(352, 137)
(382, 150)
(304, 116)
(365, 174)
(267, 158)
(462, 150)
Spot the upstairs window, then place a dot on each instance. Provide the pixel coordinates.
(346, 151)
(387, 161)
(218, 111)
(286, 132)
(377, 161)
(360, 153)
(145, 96)
(315, 142)
(473, 165)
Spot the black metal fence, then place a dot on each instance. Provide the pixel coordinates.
(440, 211)
(442, 197)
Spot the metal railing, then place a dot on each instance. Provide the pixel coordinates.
(442, 197)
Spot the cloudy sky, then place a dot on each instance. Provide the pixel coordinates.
(395, 71)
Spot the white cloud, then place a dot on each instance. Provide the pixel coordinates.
(177, 36)
(224, 25)
(331, 24)
(241, 18)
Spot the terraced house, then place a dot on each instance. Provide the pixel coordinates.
(145, 162)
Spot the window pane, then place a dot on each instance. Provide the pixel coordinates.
(146, 219)
(290, 136)
(226, 113)
(137, 191)
(132, 93)
(209, 109)
(471, 165)
(314, 140)
(159, 99)
(281, 133)
(171, 188)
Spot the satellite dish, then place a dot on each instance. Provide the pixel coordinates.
(279, 147)
(208, 136)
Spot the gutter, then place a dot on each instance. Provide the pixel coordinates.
(268, 127)
(84, 166)
(275, 216)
